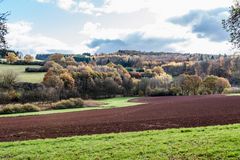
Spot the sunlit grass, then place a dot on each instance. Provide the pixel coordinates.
(205, 143)
(234, 94)
(118, 102)
(22, 75)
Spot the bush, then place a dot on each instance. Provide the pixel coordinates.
(70, 103)
(4, 98)
(23, 62)
(8, 78)
(9, 96)
(41, 69)
(160, 92)
(19, 108)
(35, 96)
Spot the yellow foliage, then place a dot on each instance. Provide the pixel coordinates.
(11, 57)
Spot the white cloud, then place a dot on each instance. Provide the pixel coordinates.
(97, 31)
(161, 7)
(21, 38)
(203, 45)
(161, 11)
(44, 1)
(66, 4)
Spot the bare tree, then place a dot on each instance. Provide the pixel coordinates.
(3, 29)
(8, 78)
(232, 24)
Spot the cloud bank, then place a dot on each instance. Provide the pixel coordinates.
(110, 25)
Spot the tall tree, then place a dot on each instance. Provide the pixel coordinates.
(232, 24)
(3, 29)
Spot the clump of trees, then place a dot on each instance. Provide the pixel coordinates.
(195, 85)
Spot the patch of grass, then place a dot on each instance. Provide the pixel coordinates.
(107, 104)
(234, 94)
(118, 102)
(48, 112)
(22, 75)
(219, 142)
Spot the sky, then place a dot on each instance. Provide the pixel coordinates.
(104, 26)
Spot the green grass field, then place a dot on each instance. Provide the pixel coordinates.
(108, 103)
(118, 102)
(205, 143)
(22, 75)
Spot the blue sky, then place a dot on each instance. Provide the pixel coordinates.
(76, 26)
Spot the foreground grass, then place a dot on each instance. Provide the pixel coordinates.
(108, 103)
(220, 142)
(22, 75)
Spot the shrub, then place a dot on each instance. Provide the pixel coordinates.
(70, 103)
(36, 96)
(19, 108)
(160, 92)
(23, 62)
(9, 96)
(41, 69)
(4, 98)
(8, 78)
(139, 70)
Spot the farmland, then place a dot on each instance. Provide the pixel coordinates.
(140, 131)
(22, 75)
(155, 113)
(116, 80)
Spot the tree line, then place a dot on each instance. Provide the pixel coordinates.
(65, 78)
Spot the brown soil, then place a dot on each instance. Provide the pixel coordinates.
(157, 113)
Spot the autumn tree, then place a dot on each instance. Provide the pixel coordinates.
(68, 80)
(232, 24)
(221, 84)
(50, 64)
(11, 57)
(57, 58)
(56, 77)
(28, 58)
(158, 70)
(194, 83)
(70, 61)
(188, 84)
(214, 84)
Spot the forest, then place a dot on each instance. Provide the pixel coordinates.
(110, 75)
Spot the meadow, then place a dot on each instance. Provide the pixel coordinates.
(22, 75)
(206, 143)
(105, 104)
